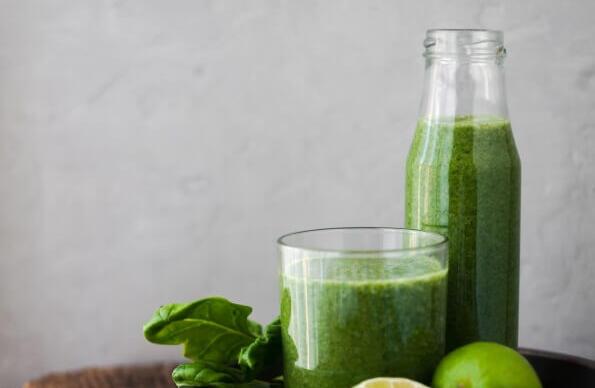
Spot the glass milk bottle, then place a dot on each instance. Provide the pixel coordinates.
(463, 180)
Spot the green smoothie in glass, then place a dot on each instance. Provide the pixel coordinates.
(353, 316)
(463, 180)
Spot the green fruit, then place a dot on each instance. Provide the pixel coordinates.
(389, 382)
(485, 365)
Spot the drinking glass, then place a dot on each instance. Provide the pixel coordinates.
(358, 303)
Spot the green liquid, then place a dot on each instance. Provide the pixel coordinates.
(355, 319)
(463, 180)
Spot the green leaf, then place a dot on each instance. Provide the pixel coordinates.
(263, 358)
(211, 329)
(205, 374)
(251, 384)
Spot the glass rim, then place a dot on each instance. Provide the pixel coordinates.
(496, 35)
(443, 240)
(490, 30)
(464, 42)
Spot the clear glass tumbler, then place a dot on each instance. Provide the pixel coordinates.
(358, 303)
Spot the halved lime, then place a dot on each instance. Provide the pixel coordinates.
(390, 382)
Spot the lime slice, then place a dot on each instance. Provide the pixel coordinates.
(390, 382)
(485, 365)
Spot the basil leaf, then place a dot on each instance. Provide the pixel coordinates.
(211, 329)
(263, 358)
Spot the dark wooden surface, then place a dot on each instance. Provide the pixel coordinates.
(145, 376)
(555, 370)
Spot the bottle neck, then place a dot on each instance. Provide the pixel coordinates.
(464, 75)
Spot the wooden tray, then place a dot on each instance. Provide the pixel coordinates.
(555, 370)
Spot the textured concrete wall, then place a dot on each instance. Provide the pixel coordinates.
(151, 151)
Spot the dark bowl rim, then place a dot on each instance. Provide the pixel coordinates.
(556, 356)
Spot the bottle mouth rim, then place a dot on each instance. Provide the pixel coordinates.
(464, 30)
(464, 42)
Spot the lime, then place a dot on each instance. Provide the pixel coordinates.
(485, 365)
(389, 382)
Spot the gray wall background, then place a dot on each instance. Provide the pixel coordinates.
(152, 151)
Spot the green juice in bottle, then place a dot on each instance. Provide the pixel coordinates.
(463, 180)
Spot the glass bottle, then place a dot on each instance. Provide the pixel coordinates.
(463, 180)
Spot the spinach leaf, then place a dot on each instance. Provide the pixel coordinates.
(263, 358)
(211, 329)
(251, 384)
(227, 349)
(205, 374)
